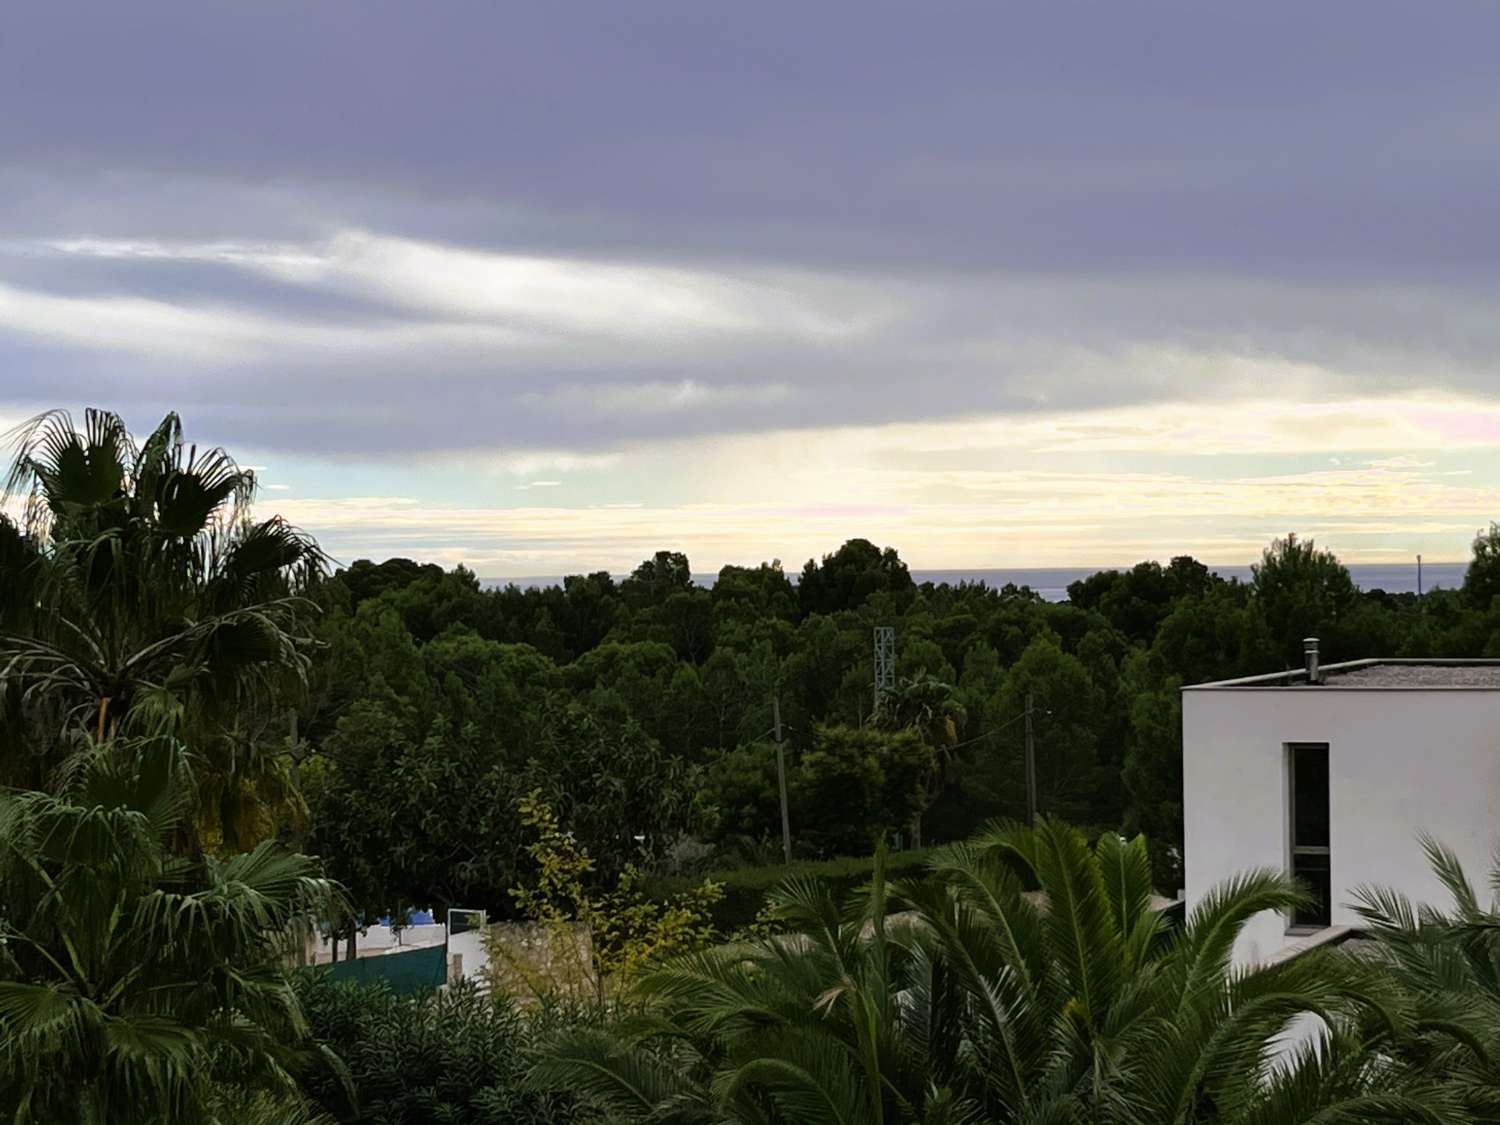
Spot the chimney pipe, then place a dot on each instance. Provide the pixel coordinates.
(1310, 650)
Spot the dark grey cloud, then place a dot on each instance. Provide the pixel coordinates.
(317, 227)
(1331, 138)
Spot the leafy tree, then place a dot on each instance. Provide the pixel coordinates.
(1215, 636)
(1189, 577)
(822, 653)
(851, 575)
(434, 601)
(365, 579)
(1482, 579)
(636, 681)
(922, 656)
(592, 606)
(414, 821)
(1067, 711)
(488, 683)
(982, 675)
(980, 1001)
(1152, 771)
(857, 784)
(688, 621)
(616, 789)
(742, 784)
(427, 818)
(952, 631)
(737, 687)
(1101, 650)
(372, 657)
(546, 636)
(153, 584)
(657, 579)
(627, 929)
(749, 594)
(1136, 601)
(1301, 592)
(135, 986)
(1448, 624)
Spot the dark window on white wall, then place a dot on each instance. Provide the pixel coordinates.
(1309, 816)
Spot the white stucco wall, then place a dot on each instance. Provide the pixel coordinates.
(1399, 762)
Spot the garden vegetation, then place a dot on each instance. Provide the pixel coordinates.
(195, 702)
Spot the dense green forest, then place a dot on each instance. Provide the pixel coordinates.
(643, 706)
(389, 716)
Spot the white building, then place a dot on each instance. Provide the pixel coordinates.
(1332, 773)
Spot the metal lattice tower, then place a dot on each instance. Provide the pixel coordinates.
(885, 662)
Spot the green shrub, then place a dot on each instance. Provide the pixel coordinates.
(746, 888)
(857, 783)
(454, 1056)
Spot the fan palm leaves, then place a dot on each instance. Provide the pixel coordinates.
(802, 1027)
(140, 573)
(1029, 978)
(136, 986)
(931, 707)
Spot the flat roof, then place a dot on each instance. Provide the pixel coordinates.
(1377, 675)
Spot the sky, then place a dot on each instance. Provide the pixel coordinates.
(546, 287)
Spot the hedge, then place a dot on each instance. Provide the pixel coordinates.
(454, 1055)
(746, 888)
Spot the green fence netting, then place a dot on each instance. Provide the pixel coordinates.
(411, 970)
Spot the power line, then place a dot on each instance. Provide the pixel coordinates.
(1012, 721)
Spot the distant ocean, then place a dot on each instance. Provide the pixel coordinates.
(1051, 582)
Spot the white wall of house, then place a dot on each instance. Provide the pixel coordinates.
(1400, 761)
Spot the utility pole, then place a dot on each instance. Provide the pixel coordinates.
(786, 820)
(1419, 576)
(296, 744)
(1030, 768)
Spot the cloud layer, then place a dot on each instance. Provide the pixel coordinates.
(1030, 283)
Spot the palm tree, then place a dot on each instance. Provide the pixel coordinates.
(805, 1027)
(136, 986)
(146, 595)
(1449, 963)
(983, 1001)
(931, 707)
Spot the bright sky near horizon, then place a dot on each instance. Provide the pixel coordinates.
(544, 287)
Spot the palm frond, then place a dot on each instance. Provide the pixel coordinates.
(1082, 933)
(1334, 1079)
(629, 1081)
(1450, 872)
(1126, 868)
(139, 978)
(1207, 941)
(152, 599)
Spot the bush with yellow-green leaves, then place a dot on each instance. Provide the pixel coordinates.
(589, 938)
